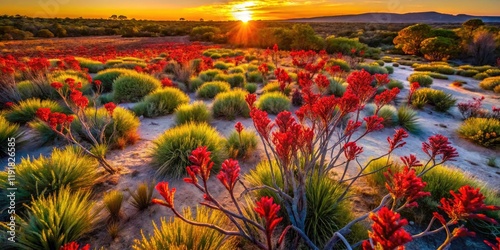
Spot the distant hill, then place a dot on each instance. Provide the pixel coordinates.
(380, 17)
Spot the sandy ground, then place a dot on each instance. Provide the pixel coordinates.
(134, 160)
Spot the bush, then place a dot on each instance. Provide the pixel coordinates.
(375, 169)
(92, 65)
(482, 131)
(480, 76)
(209, 75)
(129, 65)
(7, 131)
(493, 72)
(437, 98)
(108, 76)
(337, 86)
(177, 234)
(490, 83)
(275, 87)
(408, 119)
(236, 70)
(43, 176)
(113, 203)
(343, 45)
(251, 87)
(161, 102)
(231, 104)
(390, 115)
(395, 84)
(223, 65)
(141, 198)
(344, 66)
(56, 220)
(423, 80)
(372, 68)
(390, 69)
(171, 150)
(241, 145)
(194, 83)
(442, 69)
(255, 76)
(273, 102)
(196, 112)
(211, 89)
(235, 80)
(133, 87)
(468, 73)
(25, 111)
(380, 62)
(45, 33)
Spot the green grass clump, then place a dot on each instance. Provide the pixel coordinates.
(251, 87)
(241, 145)
(7, 131)
(25, 111)
(433, 75)
(477, 68)
(42, 176)
(92, 65)
(223, 65)
(441, 101)
(209, 75)
(161, 102)
(108, 76)
(372, 68)
(56, 220)
(194, 83)
(141, 198)
(255, 76)
(196, 112)
(129, 65)
(211, 89)
(441, 69)
(493, 72)
(468, 73)
(236, 70)
(344, 66)
(133, 87)
(273, 102)
(408, 119)
(395, 84)
(171, 150)
(235, 80)
(337, 86)
(376, 168)
(111, 62)
(482, 131)
(480, 76)
(113, 203)
(177, 234)
(275, 87)
(231, 104)
(390, 115)
(422, 79)
(390, 69)
(490, 83)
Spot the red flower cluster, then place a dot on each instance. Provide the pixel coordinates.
(261, 122)
(202, 164)
(74, 246)
(465, 204)
(57, 121)
(110, 107)
(386, 97)
(283, 78)
(166, 82)
(411, 161)
(250, 99)
(264, 69)
(439, 145)
(167, 194)
(359, 82)
(351, 150)
(302, 58)
(471, 108)
(78, 99)
(397, 139)
(239, 127)
(98, 83)
(382, 79)
(388, 231)
(267, 209)
(492, 245)
(405, 185)
(373, 123)
(413, 87)
(229, 174)
(56, 85)
(38, 64)
(9, 104)
(322, 82)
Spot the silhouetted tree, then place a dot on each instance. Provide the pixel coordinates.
(482, 48)
(182, 19)
(114, 17)
(122, 17)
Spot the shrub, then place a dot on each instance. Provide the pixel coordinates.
(161, 102)
(171, 150)
(273, 102)
(231, 104)
(344, 66)
(209, 75)
(480, 76)
(25, 111)
(380, 62)
(108, 76)
(433, 75)
(490, 83)
(482, 131)
(110, 63)
(235, 80)
(251, 87)
(376, 168)
(196, 112)
(255, 76)
(176, 234)
(236, 70)
(468, 73)
(42, 176)
(395, 65)
(7, 131)
(141, 198)
(442, 69)
(493, 72)
(395, 84)
(239, 145)
(390, 69)
(337, 86)
(343, 45)
(92, 65)
(275, 87)
(437, 98)
(390, 115)
(194, 83)
(372, 68)
(56, 220)
(408, 119)
(423, 80)
(130, 65)
(211, 89)
(113, 203)
(133, 87)
(222, 65)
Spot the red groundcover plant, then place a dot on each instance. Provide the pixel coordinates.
(326, 136)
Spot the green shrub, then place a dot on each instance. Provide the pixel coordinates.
(273, 102)
(171, 150)
(433, 75)
(408, 119)
(194, 83)
(490, 83)
(92, 65)
(235, 80)
(395, 65)
(255, 76)
(231, 104)
(390, 69)
(108, 76)
(375, 169)
(111, 62)
(113, 203)
(133, 87)
(390, 115)
(275, 87)
(223, 65)
(209, 75)
(251, 87)
(211, 89)
(177, 234)
(141, 198)
(343, 45)
(337, 86)
(7, 131)
(344, 66)
(477, 68)
(386, 59)
(437, 98)
(56, 220)
(42, 176)
(241, 145)
(236, 70)
(482, 131)
(423, 80)
(130, 65)
(480, 76)
(161, 102)
(395, 84)
(380, 62)
(25, 111)
(195, 112)
(493, 72)
(372, 68)
(468, 73)
(442, 69)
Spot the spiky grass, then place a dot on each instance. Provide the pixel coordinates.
(196, 112)
(161, 102)
(231, 104)
(274, 102)
(482, 131)
(133, 87)
(141, 198)
(241, 145)
(108, 76)
(408, 119)
(25, 111)
(211, 89)
(422, 79)
(8, 131)
(113, 203)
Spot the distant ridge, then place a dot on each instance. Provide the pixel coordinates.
(381, 17)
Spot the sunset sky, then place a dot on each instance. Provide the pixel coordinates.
(237, 9)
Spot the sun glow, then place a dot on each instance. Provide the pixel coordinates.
(242, 12)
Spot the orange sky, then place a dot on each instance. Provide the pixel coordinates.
(235, 9)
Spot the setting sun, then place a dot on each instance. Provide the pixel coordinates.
(242, 12)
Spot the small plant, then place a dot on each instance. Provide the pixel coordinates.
(408, 119)
(113, 229)
(251, 87)
(108, 76)
(472, 108)
(468, 73)
(141, 198)
(91, 65)
(492, 162)
(423, 80)
(235, 80)
(255, 76)
(275, 87)
(113, 203)
(231, 104)
(172, 149)
(490, 83)
(196, 112)
(7, 132)
(241, 143)
(161, 102)
(395, 84)
(482, 131)
(390, 69)
(25, 111)
(133, 87)
(211, 89)
(337, 86)
(390, 115)
(194, 83)
(441, 101)
(209, 75)
(273, 102)
(480, 76)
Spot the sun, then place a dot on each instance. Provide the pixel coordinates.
(242, 12)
